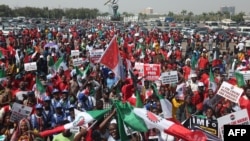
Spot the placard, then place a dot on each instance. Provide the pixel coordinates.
(230, 92)
(75, 53)
(152, 71)
(140, 67)
(19, 112)
(95, 55)
(77, 62)
(30, 66)
(170, 77)
(236, 118)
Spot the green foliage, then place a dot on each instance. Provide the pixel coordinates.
(45, 12)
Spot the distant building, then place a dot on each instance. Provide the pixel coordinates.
(230, 9)
(148, 11)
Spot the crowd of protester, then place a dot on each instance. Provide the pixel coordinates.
(65, 91)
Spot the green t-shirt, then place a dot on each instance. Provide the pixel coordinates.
(60, 137)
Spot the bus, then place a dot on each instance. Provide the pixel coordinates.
(228, 24)
(211, 24)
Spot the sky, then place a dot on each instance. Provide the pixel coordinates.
(136, 6)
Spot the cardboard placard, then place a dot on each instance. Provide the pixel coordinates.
(230, 92)
(77, 61)
(19, 111)
(236, 118)
(140, 67)
(95, 55)
(30, 66)
(152, 71)
(170, 77)
(75, 53)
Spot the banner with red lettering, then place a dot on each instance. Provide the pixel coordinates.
(152, 71)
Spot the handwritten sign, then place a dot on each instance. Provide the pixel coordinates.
(230, 92)
(170, 77)
(75, 52)
(77, 62)
(19, 111)
(95, 55)
(30, 66)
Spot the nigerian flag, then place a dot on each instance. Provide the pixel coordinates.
(39, 86)
(212, 85)
(240, 79)
(1, 55)
(82, 118)
(141, 120)
(165, 104)
(2, 74)
(60, 63)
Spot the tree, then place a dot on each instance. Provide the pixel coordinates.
(239, 17)
(171, 14)
(183, 13)
(190, 14)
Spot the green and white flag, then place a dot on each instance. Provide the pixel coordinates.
(165, 104)
(2, 74)
(240, 79)
(81, 119)
(60, 63)
(212, 85)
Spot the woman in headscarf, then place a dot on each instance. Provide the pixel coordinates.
(21, 133)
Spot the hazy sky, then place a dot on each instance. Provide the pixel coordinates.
(135, 6)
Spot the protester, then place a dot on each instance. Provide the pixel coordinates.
(61, 85)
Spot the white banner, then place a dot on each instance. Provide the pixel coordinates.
(19, 111)
(236, 118)
(170, 77)
(30, 66)
(75, 53)
(230, 92)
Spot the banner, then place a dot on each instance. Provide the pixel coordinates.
(170, 77)
(152, 71)
(19, 111)
(211, 126)
(230, 92)
(75, 53)
(30, 66)
(95, 55)
(236, 118)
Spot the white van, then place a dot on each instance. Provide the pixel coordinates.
(244, 29)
